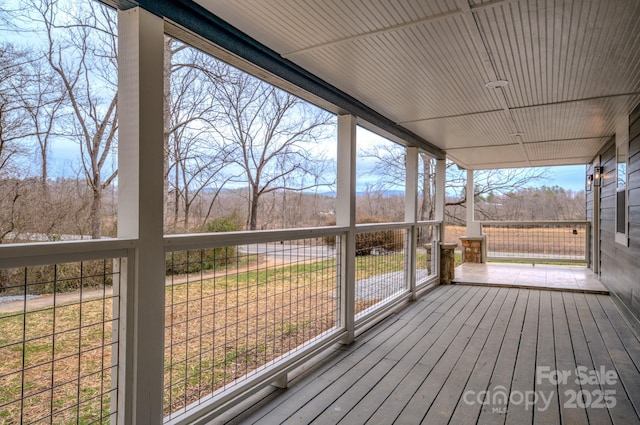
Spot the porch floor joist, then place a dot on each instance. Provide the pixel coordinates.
(433, 362)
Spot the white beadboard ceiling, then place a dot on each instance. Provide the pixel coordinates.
(573, 68)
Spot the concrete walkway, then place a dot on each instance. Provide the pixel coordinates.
(563, 278)
(46, 301)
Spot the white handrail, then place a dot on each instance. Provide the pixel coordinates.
(41, 253)
(533, 223)
(375, 227)
(215, 240)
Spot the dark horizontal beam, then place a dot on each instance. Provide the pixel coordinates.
(197, 19)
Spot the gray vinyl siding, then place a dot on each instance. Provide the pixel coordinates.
(620, 265)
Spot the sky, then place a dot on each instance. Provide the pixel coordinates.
(65, 162)
(569, 177)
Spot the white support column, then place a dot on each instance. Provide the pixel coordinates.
(346, 216)
(595, 228)
(411, 215)
(140, 215)
(473, 227)
(441, 183)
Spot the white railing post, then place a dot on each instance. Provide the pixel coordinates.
(346, 216)
(410, 216)
(595, 219)
(587, 242)
(435, 250)
(123, 294)
(140, 213)
(473, 227)
(441, 181)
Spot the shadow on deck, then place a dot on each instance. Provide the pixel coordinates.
(468, 355)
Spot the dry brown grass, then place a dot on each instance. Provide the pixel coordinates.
(66, 359)
(536, 240)
(218, 329)
(222, 329)
(452, 234)
(539, 241)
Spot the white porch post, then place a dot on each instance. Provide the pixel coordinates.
(473, 227)
(595, 226)
(346, 216)
(410, 216)
(441, 182)
(140, 215)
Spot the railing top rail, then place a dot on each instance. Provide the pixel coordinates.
(426, 222)
(40, 253)
(369, 227)
(213, 240)
(534, 223)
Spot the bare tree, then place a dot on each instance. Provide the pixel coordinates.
(540, 203)
(42, 100)
(14, 128)
(195, 157)
(13, 119)
(390, 164)
(390, 173)
(273, 137)
(10, 211)
(81, 52)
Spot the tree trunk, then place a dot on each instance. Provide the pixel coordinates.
(253, 210)
(44, 175)
(95, 213)
(426, 209)
(187, 208)
(176, 198)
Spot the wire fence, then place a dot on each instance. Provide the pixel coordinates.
(380, 266)
(427, 247)
(233, 311)
(59, 343)
(234, 315)
(538, 242)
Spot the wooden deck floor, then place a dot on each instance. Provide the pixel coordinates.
(434, 361)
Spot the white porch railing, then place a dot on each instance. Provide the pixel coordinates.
(241, 310)
(274, 300)
(538, 241)
(60, 352)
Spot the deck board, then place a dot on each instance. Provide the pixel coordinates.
(449, 395)
(524, 371)
(546, 355)
(327, 399)
(437, 341)
(485, 366)
(566, 361)
(628, 373)
(417, 366)
(582, 355)
(288, 403)
(442, 363)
